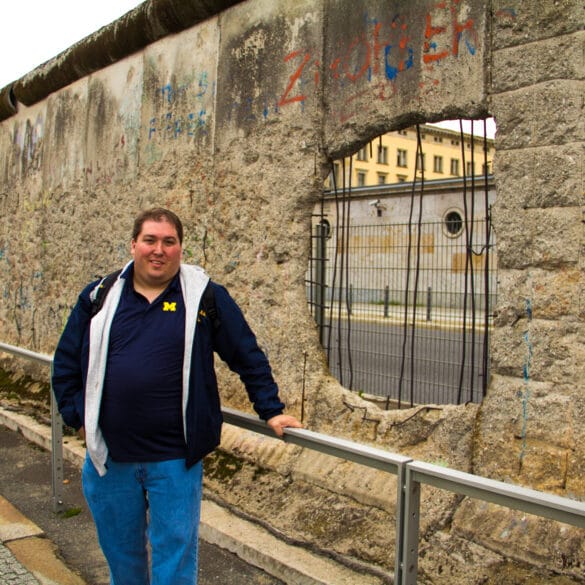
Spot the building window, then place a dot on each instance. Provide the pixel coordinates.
(377, 207)
(401, 178)
(401, 158)
(438, 138)
(382, 178)
(453, 223)
(454, 142)
(363, 154)
(483, 168)
(420, 158)
(383, 155)
(438, 164)
(455, 167)
(470, 169)
(361, 178)
(403, 132)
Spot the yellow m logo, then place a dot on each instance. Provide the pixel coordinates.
(169, 306)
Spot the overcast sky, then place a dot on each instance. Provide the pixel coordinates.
(34, 31)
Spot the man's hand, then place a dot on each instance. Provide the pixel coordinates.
(279, 422)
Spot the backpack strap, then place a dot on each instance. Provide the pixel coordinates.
(100, 292)
(208, 304)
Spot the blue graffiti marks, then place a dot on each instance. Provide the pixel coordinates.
(391, 70)
(203, 84)
(471, 48)
(269, 106)
(170, 94)
(185, 114)
(173, 126)
(197, 89)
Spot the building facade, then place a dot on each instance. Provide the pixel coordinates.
(399, 156)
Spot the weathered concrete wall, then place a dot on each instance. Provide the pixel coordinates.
(231, 123)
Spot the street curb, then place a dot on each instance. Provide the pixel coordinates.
(292, 564)
(30, 547)
(13, 525)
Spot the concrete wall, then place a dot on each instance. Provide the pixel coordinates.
(231, 123)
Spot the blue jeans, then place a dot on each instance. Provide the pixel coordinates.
(136, 503)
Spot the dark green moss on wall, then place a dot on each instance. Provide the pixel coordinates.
(23, 388)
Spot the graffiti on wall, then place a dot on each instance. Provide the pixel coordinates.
(183, 110)
(385, 49)
(373, 61)
(172, 125)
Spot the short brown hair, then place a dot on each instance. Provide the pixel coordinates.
(157, 214)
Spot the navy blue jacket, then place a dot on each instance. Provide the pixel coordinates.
(231, 338)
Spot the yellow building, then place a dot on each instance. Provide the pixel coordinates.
(392, 158)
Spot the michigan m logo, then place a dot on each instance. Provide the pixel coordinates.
(169, 306)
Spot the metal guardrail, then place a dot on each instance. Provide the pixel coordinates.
(56, 426)
(410, 476)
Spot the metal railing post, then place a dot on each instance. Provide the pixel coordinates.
(400, 527)
(411, 513)
(348, 450)
(56, 455)
(56, 426)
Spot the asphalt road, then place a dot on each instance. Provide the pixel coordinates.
(376, 361)
(25, 481)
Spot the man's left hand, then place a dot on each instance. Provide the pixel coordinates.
(279, 422)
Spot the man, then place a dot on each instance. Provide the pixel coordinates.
(137, 380)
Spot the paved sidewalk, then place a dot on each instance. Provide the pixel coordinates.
(12, 572)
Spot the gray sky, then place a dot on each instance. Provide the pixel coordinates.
(467, 126)
(34, 31)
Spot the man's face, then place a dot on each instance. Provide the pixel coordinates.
(157, 253)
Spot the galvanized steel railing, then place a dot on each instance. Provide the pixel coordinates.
(410, 476)
(56, 426)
